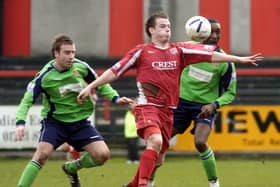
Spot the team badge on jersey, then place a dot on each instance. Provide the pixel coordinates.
(76, 72)
(173, 51)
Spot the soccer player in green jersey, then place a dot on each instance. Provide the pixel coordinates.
(64, 119)
(204, 87)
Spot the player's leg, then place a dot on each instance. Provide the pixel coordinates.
(181, 121)
(49, 141)
(96, 154)
(148, 158)
(147, 122)
(159, 162)
(75, 154)
(153, 125)
(71, 153)
(206, 154)
(87, 138)
(33, 167)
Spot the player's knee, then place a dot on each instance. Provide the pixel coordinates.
(155, 143)
(102, 156)
(200, 144)
(41, 157)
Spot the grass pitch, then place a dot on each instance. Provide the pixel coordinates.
(176, 172)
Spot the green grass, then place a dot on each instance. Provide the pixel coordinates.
(176, 172)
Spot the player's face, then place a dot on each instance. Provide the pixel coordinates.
(161, 32)
(64, 58)
(215, 34)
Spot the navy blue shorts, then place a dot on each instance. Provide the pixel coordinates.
(78, 134)
(187, 112)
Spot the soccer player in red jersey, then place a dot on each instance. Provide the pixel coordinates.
(159, 65)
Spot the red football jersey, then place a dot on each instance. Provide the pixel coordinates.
(158, 70)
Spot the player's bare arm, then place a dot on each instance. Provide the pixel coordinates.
(124, 101)
(107, 77)
(219, 57)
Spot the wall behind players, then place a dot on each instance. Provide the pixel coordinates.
(111, 27)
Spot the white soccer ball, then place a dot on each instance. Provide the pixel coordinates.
(198, 28)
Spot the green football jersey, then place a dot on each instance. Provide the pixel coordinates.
(59, 90)
(209, 82)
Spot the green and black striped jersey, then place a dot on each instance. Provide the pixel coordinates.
(209, 82)
(59, 90)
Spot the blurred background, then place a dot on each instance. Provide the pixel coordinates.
(104, 30)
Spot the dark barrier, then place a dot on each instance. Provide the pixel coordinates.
(256, 86)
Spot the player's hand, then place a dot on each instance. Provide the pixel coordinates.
(83, 94)
(124, 100)
(206, 110)
(19, 132)
(133, 104)
(251, 59)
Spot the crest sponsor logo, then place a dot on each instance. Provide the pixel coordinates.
(164, 65)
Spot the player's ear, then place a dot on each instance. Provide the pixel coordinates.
(151, 30)
(56, 53)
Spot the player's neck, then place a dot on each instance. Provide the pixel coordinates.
(59, 67)
(161, 45)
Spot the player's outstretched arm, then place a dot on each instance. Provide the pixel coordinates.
(220, 57)
(107, 77)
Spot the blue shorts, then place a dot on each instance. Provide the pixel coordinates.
(187, 112)
(78, 134)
